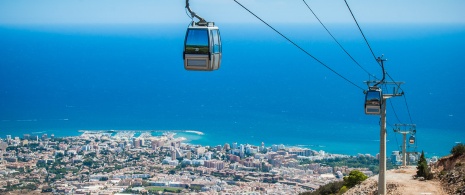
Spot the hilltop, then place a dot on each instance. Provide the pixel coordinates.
(449, 178)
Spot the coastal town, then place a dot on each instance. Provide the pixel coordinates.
(119, 162)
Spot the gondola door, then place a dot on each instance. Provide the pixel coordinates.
(216, 49)
(196, 49)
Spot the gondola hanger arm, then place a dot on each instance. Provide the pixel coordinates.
(193, 14)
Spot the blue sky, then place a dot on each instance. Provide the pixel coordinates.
(18, 12)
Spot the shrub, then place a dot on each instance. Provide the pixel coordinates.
(343, 190)
(458, 149)
(430, 176)
(331, 188)
(355, 177)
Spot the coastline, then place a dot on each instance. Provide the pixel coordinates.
(215, 137)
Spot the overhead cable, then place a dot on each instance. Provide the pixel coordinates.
(338, 41)
(374, 56)
(303, 50)
(408, 110)
(366, 41)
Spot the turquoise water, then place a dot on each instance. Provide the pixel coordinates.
(58, 80)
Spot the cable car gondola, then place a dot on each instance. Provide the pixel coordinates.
(412, 139)
(373, 101)
(202, 47)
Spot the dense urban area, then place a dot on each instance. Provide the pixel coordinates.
(122, 162)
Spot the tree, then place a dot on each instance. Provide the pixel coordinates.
(422, 167)
(355, 177)
(331, 188)
(88, 162)
(458, 150)
(46, 189)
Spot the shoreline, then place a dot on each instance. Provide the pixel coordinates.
(195, 137)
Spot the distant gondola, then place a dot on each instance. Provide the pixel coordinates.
(373, 101)
(202, 47)
(412, 139)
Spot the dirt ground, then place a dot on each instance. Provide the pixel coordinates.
(399, 181)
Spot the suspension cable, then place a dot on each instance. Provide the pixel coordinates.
(392, 106)
(338, 41)
(397, 84)
(408, 110)
(395, 113)
(395, 134)
(366, 41)
(380, 62)
(405, 98)
(303, 50)
(190, 16)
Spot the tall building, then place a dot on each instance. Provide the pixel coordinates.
(274, 147)
(137, 143)
(234, 145)
(226, 146)
(396, 158)
(154, 145)
(44, 137)
(160, 143)
(216, 164)
(173, 155)
(208, 155)
(26, 136)
(200, 150)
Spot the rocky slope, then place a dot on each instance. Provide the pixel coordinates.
(399, 181)
(450, 171)
(449, 178)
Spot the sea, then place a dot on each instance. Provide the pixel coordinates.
(59, 79)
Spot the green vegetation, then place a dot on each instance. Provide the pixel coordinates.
(46, 189)
(29, 187)
(458, 150)
(88, 162)
(153, 189)
(90, 155)
(355, 177)
(331, 188)
(195, 188)
(172, 172)
(422, 168)
(353, 162)
(12, 148)
(33, 146)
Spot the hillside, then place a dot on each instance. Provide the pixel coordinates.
(399, 181)
(449, 178)
(450, 171)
